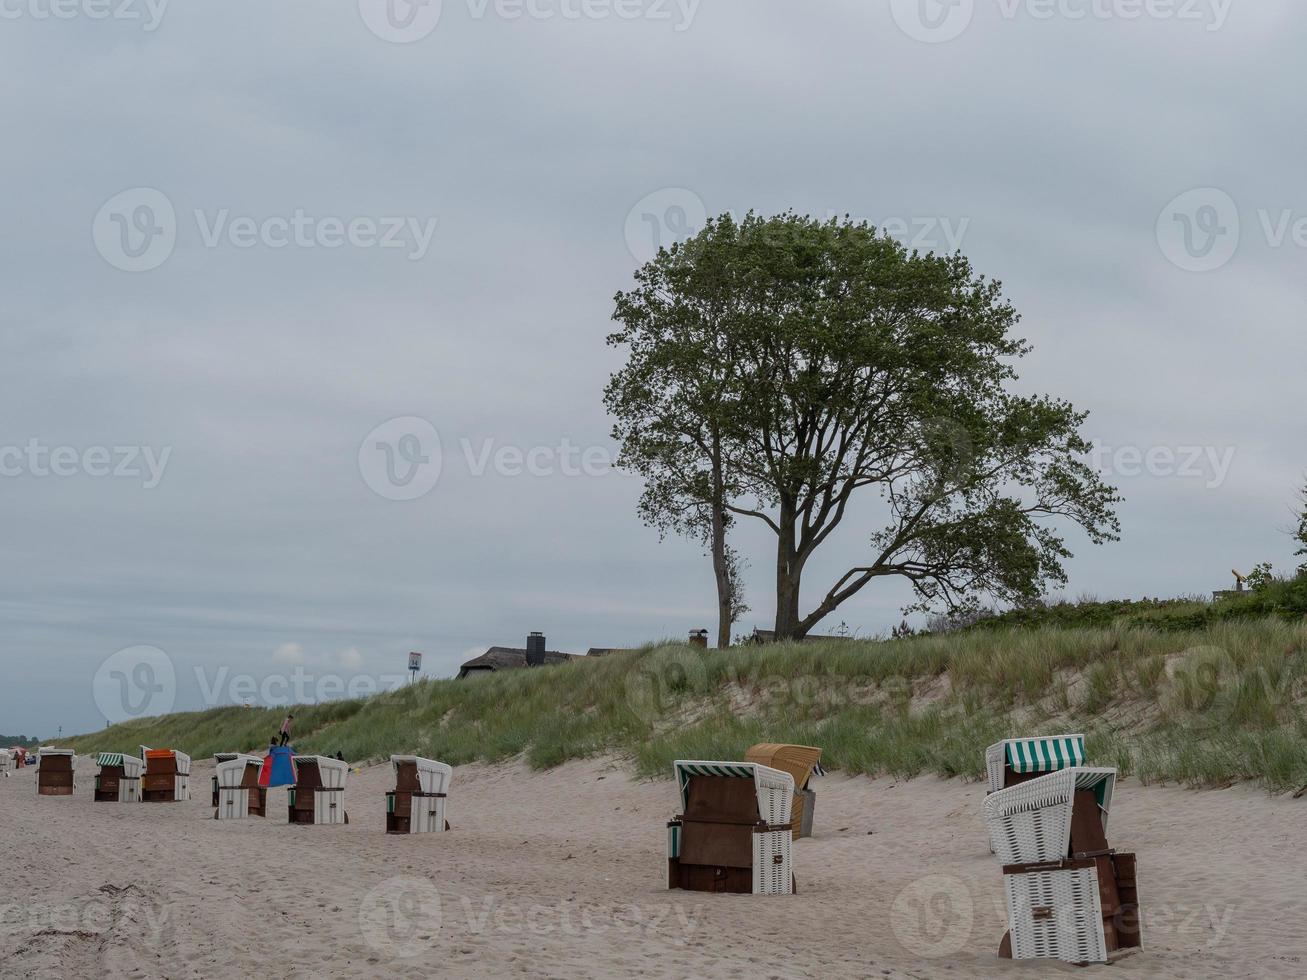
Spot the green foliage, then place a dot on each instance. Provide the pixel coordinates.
(1285, 598)
(1300, 532)
(777, 367)
(1202, 707)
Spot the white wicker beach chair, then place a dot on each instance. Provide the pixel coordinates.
(6, 762)
(319, 793)
(417, 804)
(119, 779)
(236, 793)
(707, 848)
(1032, 755)
(1055, 895)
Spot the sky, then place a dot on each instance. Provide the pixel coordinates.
(302, 344)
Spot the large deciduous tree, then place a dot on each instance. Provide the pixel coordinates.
(780, 369)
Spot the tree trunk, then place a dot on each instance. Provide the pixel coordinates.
(787, 578)
(718, 533)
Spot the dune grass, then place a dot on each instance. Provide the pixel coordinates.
(1205, 707)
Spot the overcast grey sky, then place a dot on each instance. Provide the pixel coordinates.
(241, 237)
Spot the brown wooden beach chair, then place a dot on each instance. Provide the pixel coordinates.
(167, 777)
(417, 803)
(318, 796)
(733, 834)
(54, 772)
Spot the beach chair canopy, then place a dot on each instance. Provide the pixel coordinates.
(1027, 755)
(51, 750)
(235, 757)
(800, 761)
(331, 771)
(433, 776)
(1032, 821)
(238, 757)
(233, 766)
(162, 761)
(774, 789)
(130, 765)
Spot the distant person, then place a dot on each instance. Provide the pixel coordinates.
(340, 756)
(285, 729)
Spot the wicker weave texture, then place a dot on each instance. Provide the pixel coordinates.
(1073, 932)
(1031, 822)
(772, 872)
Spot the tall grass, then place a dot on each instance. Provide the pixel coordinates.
(1203, 707)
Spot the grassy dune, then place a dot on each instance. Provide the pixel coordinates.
(1203, 707)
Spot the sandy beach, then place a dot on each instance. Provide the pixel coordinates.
(562, 873)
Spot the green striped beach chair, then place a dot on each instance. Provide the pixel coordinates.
(1025, 758)
(733, 833)
(119, 779)
(1070, 897)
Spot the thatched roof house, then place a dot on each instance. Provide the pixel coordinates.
(512, 658)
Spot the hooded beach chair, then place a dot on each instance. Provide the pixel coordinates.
(318, 796)
(417, 803)
(1015, 760)
(733, 834)
(1070, 897)
(119, 779)
(54, 771)
(236, 790)
(6, 762)
(802, 762)
(167, 777)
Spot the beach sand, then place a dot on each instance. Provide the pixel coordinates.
(563, 874)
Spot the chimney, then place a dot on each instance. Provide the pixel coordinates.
(699, 638)
(535, 650)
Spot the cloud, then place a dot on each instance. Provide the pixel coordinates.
(289, 653)
(264, 367)
(350, 659)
